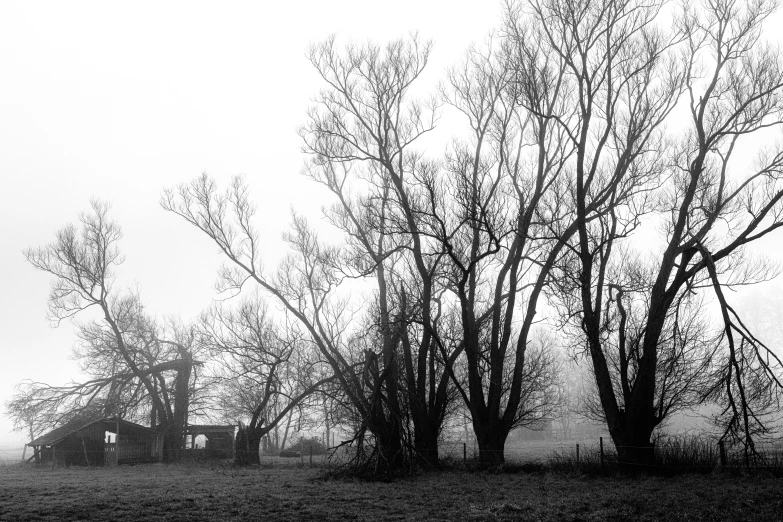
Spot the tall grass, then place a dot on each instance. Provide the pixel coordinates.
(674, 454)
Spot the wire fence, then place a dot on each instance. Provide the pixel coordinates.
(676, 454)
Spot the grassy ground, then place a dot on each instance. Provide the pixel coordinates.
(278, 491)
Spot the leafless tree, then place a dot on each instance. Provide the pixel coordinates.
(28, 415)
(133, 367)
(496, 211)
(263, 372)
(308, 286)
(627, 79)
(360, 138)
(458, 233)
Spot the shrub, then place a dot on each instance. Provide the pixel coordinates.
(303, 445)
(289, 453)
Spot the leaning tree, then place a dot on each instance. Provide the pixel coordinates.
(135, 368)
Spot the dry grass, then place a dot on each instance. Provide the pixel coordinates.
(288, 492)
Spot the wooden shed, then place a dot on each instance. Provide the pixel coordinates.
(218, 441)
(97, 442)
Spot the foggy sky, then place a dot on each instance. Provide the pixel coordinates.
(120, 100)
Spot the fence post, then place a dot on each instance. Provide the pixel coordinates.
(301, 450)
(84, 448)
(722, 449)
(311, 455)
(601, 444)
(577, 453)
(464, 454)
(117, 445)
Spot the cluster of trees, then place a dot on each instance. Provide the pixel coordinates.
(587, 125)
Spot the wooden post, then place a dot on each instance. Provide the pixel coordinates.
(311, 455)
(53, 456)
(117, 445)
(465, 453)
(601, 444)
(301, 449)
(577, 454)
(84, 447)
(722, 449)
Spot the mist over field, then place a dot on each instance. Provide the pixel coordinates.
(11, 454)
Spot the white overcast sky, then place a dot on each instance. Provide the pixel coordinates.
(117, 100)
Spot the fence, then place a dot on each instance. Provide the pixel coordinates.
(676, 453)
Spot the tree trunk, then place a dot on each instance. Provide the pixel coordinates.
(246, 444)
(172, 442)
(426, 445)
(389, 448)
(491, 439)
(635, 452)
(285, 433)
(326, 425)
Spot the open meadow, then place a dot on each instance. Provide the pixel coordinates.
(285, 490)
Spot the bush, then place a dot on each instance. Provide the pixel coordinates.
(303, 445)
(289, 453)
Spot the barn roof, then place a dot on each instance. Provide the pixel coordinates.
(60, 433)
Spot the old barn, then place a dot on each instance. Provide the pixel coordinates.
(97, 442)
(208, 441)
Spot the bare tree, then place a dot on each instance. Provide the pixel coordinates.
(497, 212)
(360, 139)
(457, 233)
(262, 372)
(28, 415)
(307, 285)
(132, 366)
(627, 78)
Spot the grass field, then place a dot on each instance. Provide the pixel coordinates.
(282, 490)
